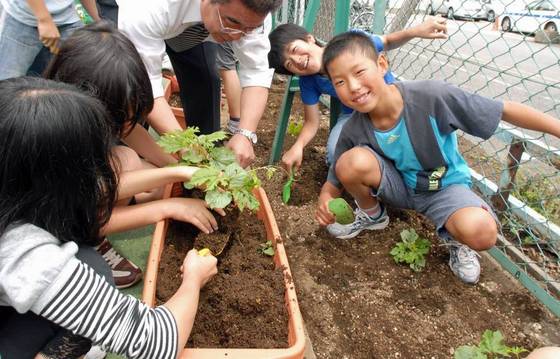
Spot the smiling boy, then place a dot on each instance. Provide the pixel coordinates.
(400, 148)
(294, 51)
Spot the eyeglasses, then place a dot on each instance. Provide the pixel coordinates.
(259, 30)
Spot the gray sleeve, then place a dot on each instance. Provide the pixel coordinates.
(457, 109)
(30, 260)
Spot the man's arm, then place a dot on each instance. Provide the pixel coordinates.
(527, 117)
(433, 28)
(48, 32)
(162, 118)
(253, 103)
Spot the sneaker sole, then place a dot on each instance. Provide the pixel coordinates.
(128, 285)
(372, 227)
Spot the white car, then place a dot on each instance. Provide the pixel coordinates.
(538, 15)
(468, 9)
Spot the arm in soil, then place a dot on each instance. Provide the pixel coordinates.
(134, 182)
(309, 130)
(161, 118)
(143, 143)
(527, 117)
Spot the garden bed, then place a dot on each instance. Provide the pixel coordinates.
(251, 303)
(357, 303)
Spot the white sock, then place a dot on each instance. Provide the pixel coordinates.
(374, 212)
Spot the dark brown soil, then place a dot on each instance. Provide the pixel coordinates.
(241, 307)
(357, 303)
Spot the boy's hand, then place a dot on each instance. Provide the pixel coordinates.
(194, 211)
(323, 215)
(198, 269)
(293, 157)
(435, 27)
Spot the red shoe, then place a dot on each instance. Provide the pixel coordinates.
(125, 273)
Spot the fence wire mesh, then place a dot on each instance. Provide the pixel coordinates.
(506, 50)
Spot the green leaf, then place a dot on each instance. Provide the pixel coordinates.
(245, 199)
(194, 155)
(269, 251)
(222, 157)
(213, 137)
(493, 342)
(270, 171)
(287, 189)
(469, 352)
(207, 177)
(217, 199)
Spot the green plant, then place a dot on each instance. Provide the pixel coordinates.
(287, 189)
(294, 127)
(219, 175)
(342, 211)
(266, 248)
(491, 346)
(411, 250)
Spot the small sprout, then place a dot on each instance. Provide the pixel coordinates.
(266, 248)
(287, 189)
(294, 127)
(341, 210)
(412, 250)
(491, 346)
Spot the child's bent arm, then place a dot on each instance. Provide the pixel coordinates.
(527, 117)
(432, 28)
(311, 121)
(161, 118)
(143, 143)
(134, 182)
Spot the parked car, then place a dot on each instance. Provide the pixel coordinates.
(538, 15)
(467, 9)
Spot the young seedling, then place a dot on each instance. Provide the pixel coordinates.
(294, 127)
(490, 347)
(342, 211)
(287, 189)
(412, 250)
(223, 180)
(266, 248)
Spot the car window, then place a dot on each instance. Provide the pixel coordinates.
(542, 6)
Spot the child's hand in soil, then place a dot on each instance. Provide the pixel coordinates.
(198, 269)
(194, 211)
(293, 157)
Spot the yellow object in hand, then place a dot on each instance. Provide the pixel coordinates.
(205, 252)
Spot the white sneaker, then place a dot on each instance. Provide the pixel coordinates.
(95, 353)
(463, 262)
(361, 222)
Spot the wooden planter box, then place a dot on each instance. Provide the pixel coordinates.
(172, 87)
(296, 336)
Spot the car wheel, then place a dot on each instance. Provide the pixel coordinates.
(450, 13)
(491, 16)
(506, 24)
(550, 27)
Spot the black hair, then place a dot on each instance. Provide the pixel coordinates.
(104, 61)
(351, 41)
(279, 39)
(56, 168)
(261, 7)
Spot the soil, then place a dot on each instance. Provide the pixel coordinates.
(241, 307)
(357, 303)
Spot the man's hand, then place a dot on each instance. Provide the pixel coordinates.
(293, 157)
(435, 27)
(243, 149)
(48, 34)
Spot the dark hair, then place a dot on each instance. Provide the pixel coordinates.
(352, 41)
(56, 168)
(104, 61)
(279, 39)
(261, 7)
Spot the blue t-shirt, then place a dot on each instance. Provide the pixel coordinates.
(432, 109)
(313, 86)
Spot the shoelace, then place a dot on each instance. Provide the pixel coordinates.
(112, 257)
(464, 253)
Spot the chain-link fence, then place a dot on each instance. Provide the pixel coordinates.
(500, 49)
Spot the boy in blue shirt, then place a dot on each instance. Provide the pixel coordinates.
(294, 51)
(400, 148)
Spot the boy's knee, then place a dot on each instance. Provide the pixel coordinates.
(355, 163)
(476, 228)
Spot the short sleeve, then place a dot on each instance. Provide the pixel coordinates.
(309, 92)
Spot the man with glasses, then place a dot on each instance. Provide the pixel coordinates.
(181, 28)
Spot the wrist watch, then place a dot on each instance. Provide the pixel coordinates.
(252, 136)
